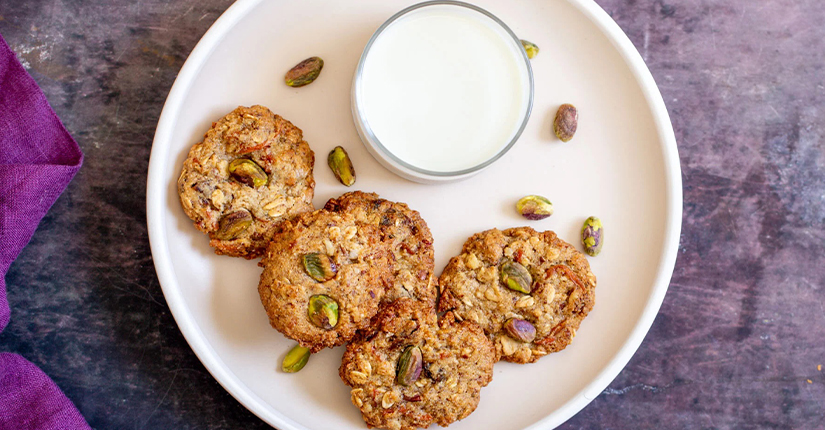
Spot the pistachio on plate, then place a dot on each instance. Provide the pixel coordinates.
(592, 236)
(531, 48)
(534, 207)
(566, 122)
(305, 72)
(341, 166)
(295, 359)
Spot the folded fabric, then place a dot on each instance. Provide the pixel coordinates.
(38, 158)
(29, 400)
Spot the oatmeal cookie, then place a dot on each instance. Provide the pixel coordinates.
(529, 291)
(409, 238)
(324, 277)
(252, 169)
(410, 369)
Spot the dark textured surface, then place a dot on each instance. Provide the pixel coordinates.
(741, 331)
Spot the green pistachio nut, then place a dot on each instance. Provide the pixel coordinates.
(409, 365)
(566, 122)
(305, 72)
(534, 207)
(295, 359)
(341, 166)
(531, 48)
(233, 224)
(516, 277)
(592, 236)
(247, 172)
(520, 330)
(319, 266)
(323, 311)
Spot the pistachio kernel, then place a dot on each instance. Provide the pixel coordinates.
(566, 122)
(520, 330)
(516, 277)
(534, 207)
(409, 365)
(341, 166)
(295, 359)
(531, 48)
(233, 224)
(592, 236)
(247, 172)
(305, 72)
(323, 311)
(319, 266)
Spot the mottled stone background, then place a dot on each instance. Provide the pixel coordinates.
(742, 329)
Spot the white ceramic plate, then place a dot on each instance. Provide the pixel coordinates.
(622, 166)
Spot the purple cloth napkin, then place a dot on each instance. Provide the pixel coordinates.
(38, 158)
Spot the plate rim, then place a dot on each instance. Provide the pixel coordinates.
(228, 380)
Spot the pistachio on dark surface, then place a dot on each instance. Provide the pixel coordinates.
(305, 72)
(319, 266)
(516, 277)
(409, 366)
(233, 224)
(323, 311)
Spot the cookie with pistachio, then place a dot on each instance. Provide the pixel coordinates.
(410, 369)
(252, 169)
(409, 240)
(324, 277)
(529, 291)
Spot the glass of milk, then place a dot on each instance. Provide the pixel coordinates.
(443, 89)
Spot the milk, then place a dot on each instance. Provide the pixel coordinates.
(444, 88)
